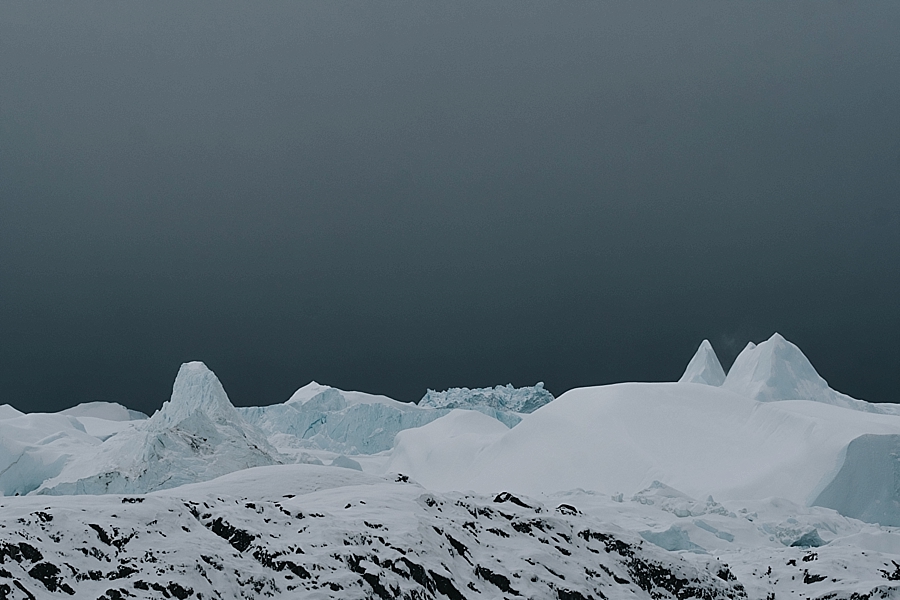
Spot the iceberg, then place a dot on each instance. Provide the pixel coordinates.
(503, 399)
(109, 411)
(778, 370)
(322, 417)
(197, 435)
(699, 439)
(37, 447)
(704, 367)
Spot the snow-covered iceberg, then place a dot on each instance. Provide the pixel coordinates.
(109, 411)
(37, 447)
(321, 417)
(696, 438)
(704, 367)
(196, 436)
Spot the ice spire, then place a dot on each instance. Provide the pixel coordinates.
(704, 367)
(196, 389)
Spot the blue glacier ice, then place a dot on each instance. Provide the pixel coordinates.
(322, 417)
(343, 422)
(503, 398)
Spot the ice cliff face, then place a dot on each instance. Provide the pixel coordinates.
(704, 367)
(196, 436)
(501, 398)
(34, 448)
(867, 487)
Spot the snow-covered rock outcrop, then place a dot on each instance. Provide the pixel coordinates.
(321, 417)
(778, 370)
(351, 536)
(704, 367)
(196, 436)
(502, 398)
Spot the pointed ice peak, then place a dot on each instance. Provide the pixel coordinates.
(776, 370)
(704, 367)
(196, 390)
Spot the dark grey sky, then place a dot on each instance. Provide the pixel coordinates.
(390, 196)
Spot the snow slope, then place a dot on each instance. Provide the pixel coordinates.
(440, 453)
(9, 412)
(704, 367)
(294, 531)
(270, 533)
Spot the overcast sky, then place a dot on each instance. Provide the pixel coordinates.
(394, 196)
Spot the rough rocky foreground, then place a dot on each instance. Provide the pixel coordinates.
(382, 540)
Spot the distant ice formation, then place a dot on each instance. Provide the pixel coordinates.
(321, 417)
(777, 370)
(501, 398)
(704, 367)
(109, 411)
